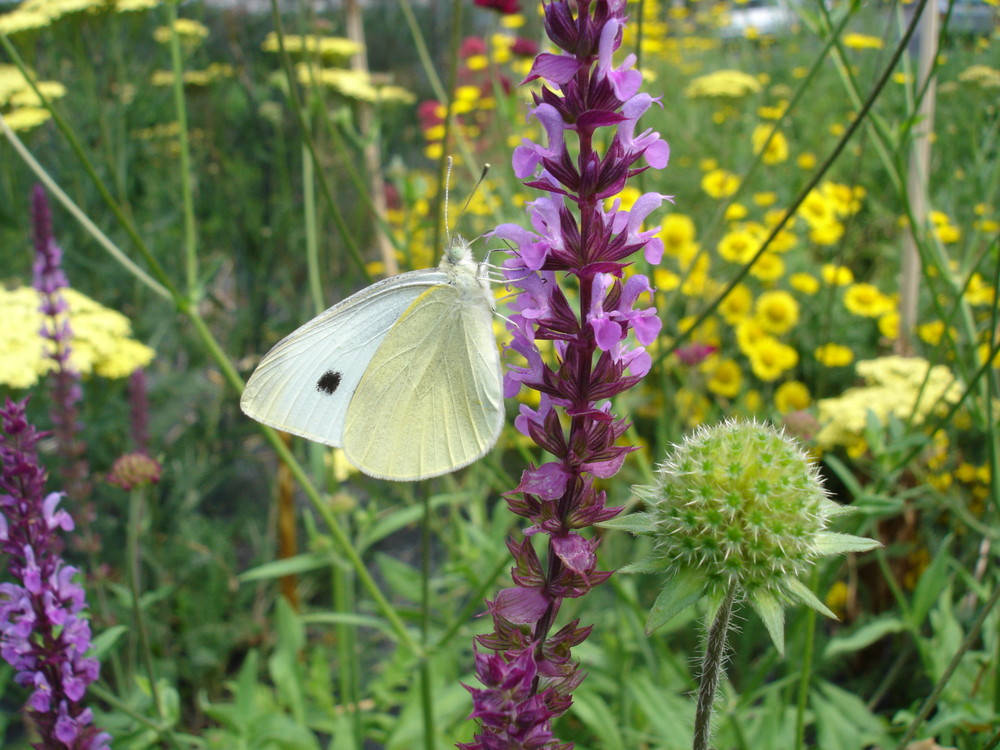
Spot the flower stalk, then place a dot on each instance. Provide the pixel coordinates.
(573, 291)
(44, 634)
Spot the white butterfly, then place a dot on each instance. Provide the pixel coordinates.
(404, 375)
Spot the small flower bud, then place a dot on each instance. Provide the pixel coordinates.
(134, 470)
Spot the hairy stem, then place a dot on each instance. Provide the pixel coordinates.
(712, 667)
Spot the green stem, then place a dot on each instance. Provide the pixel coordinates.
(295, 101)
(187, 199)
(102, 239)
(165, 287)
(312, 239)
(806, 672)
(426, 689)
(712, 669)
(133, 566)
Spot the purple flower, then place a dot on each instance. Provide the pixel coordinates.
(599, 333)
(500, 6)
(50, 280)
(43, 634)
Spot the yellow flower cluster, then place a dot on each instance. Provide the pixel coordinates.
(981, 75)
(324, 46)
(353, 84)
(900, 387)
(37, 14)
(101, 343)
(22, 107)
(214, 72)
(723, 84)
(824, 208)
(943, 228)
(775, 150)
(189, 31)
(862, 41)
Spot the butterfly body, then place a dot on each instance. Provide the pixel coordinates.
(404, 375)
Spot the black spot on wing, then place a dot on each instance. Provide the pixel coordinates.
(329, 382)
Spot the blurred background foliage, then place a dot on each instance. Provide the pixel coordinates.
(309, 177)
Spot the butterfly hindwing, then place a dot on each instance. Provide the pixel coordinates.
(431, 398)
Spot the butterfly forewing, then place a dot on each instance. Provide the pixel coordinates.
(305, 383)
(431, 399)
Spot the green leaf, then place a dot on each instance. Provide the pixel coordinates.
(592, 710)
(352, 619)
(772, 612)
(864, 636)
(649, 565)
(931, 584)
(106, 641)
(290, 566)
(804, 594)
(634, 523)
(832, 543)
(680, 591)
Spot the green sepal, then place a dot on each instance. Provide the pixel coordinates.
(648, 565)
(634, 523)
(804, 594)
(680, 591)
(772, 613)
(832, 509)
(831, 543)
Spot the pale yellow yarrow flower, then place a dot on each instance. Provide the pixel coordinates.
(26, 118)
(188, 30)
(101, 342)
(908, 388)
(732, 84)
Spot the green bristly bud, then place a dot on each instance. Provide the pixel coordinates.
(739, 505)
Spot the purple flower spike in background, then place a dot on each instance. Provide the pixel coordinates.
(599, 348)
(50, 280)
(43, 634)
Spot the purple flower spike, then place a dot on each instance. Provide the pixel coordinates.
(50, 280)
(599, 343)
(43, 633)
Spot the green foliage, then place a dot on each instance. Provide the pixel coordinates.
(280, 223)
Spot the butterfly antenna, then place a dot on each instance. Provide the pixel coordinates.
(482, 176)
(447, 186)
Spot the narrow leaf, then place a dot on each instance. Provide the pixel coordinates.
(634, 523)
(864, 636)
(772, 612)
(648, 565)
(804, 594)
(831, 543)
(680, 591)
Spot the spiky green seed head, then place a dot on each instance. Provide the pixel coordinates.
(738, 504)
(741, 502)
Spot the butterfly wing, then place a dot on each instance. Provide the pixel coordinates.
(431, 399)
(305, 383)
